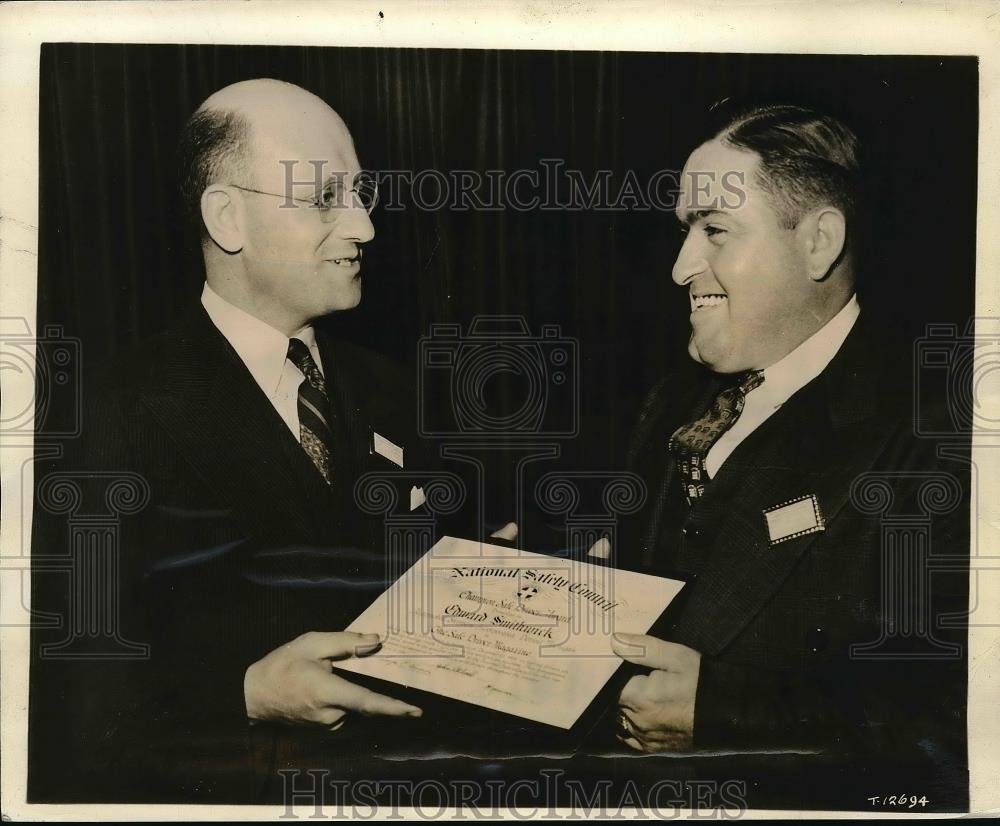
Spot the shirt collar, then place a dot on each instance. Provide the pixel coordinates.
(808, 360)
(261, 347)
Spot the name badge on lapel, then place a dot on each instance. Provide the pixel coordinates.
(796, 517)
(383, 447)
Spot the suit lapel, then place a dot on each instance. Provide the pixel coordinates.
(369, 399)
(346, 425)
(364, 400)
(743, 569)
(352, 408)
(650, 458)
(229, 432)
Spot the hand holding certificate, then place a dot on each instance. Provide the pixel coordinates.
(517, 632)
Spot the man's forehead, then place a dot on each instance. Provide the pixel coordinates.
(717, 156)
(716, 178)
(316, 139)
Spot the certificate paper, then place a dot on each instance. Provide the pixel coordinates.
(517, 632)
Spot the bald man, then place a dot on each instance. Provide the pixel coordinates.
(251, 426)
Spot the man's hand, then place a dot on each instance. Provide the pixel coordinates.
(656, 710)
(508, 532)
(294, 684)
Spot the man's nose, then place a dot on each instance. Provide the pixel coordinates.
(355, 224)
(690, 262)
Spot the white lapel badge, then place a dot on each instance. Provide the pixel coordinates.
(383, 447)
(794, 518)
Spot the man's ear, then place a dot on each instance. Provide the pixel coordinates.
(223, 214)
(824, 233)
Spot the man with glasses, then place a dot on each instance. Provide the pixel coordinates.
(251, 427)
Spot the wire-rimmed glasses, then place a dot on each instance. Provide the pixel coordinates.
(334, 197)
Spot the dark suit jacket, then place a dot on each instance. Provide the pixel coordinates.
(241, 548)
(776, 623)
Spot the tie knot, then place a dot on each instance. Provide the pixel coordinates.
(750, 380)
(690, 443)
(299, 355)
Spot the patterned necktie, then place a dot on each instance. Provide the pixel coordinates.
(315, 434)
(691, 442)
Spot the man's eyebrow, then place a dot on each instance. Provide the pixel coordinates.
(688, 218)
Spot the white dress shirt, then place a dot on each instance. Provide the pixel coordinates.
(264, 351)
(782, 379)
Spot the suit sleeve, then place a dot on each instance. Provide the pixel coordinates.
(154, 719)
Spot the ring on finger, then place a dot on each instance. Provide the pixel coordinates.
(623, 726)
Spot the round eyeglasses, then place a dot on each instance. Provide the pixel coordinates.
(333, 198)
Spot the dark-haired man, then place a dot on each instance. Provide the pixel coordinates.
(250, 425)
(751, 469)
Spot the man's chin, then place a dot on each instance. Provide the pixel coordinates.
(702, 354)
(716, 359)
(349, 297)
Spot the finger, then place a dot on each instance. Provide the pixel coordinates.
(316, 645)
(635, 724)
(507, 532)
(332, 718)
(667, 686)
(652, 730)
(626, 647)
(632, 726)
(623, 725)
(631, 742)
(601, 549)
(652, 652)
(350, 697)
(665, 741)
(667, 716)
(634, 694)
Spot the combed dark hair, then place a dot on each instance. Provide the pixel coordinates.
(807, 159)
(214, 146)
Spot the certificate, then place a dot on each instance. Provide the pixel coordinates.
(517, 632)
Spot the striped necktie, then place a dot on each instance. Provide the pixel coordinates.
(315, 434)
(691, 442)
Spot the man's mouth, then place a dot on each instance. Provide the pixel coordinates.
(703, 302)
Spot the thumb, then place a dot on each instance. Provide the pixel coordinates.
(507, 532)
(318, 645)
(653, 652)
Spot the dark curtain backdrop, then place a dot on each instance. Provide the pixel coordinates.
(115, 264)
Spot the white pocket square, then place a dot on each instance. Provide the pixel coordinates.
(383, 447)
